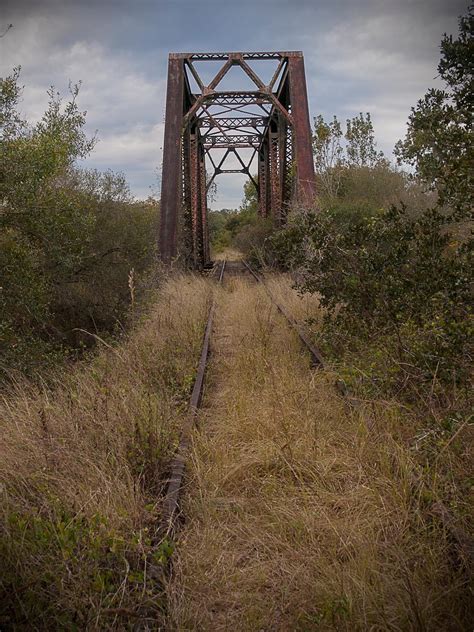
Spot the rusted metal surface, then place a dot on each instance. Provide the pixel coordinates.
(270, 121)
(243, 55)
(235, 123)
(205, 253)
(171, 177)
(195, 199)
(303, 152)
(262, 182)
(276, 201)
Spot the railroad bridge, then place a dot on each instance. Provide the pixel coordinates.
(208, 127)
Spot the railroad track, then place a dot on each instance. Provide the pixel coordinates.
(463, 543)
(171, 504)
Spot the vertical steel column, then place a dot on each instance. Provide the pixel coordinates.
(206, 255)
(262, 182)
(171, 174)
(186, 219)
(303, 150)
(282, 165)
(268, 178)
(275, 179)
(287, 194)
(196, 217)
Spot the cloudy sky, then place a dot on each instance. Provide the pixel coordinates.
(361, 55)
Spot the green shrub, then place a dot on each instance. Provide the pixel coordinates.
(69, 238)
(392, 276)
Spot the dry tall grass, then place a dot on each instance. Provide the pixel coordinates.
(304, 513)
(81, 471)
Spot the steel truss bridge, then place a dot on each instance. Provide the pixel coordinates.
(268, 125)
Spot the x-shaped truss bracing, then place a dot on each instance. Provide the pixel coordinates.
(271, 121)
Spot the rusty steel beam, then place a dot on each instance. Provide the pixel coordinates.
(196, 214)
(275, 178)
(262, 181)
(186, 219)
(282, 167)
(242, 97)
(303, 150)
(287, 175)
(205, 256)
(244, 55)
(171, 177)
(243, 170)
(235, 123)
(232, 141)
(195, 74)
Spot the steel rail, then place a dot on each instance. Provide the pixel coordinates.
(316, 358)
(221, 275)
(170, 509)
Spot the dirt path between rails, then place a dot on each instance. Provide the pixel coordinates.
(298, 518)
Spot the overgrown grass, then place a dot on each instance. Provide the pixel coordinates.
(82, 463)
(306, 513)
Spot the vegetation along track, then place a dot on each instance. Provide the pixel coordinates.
(170, 513)
(302, 510)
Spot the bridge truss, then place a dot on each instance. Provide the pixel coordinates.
(267, 125)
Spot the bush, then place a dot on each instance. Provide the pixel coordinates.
(393, 276)
(251, 238)
(69, 238)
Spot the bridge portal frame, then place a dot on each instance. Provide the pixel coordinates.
(198, 122)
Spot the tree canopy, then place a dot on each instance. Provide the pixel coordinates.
(439, 142)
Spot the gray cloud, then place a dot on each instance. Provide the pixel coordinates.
(371, 55)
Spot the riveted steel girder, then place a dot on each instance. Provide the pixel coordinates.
(234, 123)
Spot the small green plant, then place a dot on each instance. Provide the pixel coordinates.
(163, 552)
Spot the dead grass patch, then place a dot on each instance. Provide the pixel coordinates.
(81, 469)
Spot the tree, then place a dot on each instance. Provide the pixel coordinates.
(439, 141)
(68, 236)
(353, 177)
(361, 146)
(250, 201)
(33, 161)
(328, 154)
(333, 159)
(43, 227)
